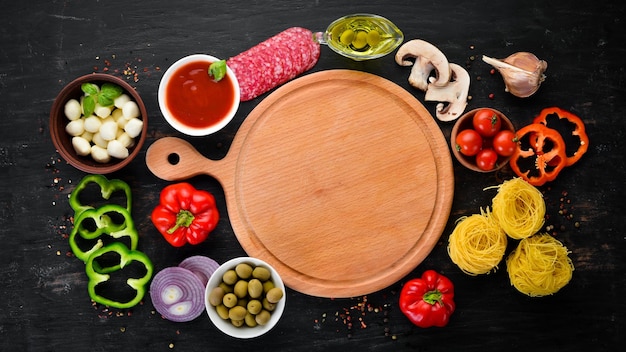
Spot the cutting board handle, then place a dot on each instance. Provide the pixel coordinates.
(174, 159)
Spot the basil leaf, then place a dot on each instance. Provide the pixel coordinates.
(89, 88)
(218, 70)
(103, 100)
(89, 105)
(110, 90)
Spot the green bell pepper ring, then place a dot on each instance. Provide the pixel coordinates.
(97, 279)
(108, 222)
(107, 188)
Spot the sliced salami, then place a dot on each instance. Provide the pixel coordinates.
(274, 61)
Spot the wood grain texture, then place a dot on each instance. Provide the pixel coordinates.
(361, 166)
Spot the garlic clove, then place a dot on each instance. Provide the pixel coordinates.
(522, 72)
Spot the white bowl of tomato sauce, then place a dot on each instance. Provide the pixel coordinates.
(192, 101)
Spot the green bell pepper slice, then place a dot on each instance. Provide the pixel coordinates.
(97, 277)
(93, 227)
(107, 188)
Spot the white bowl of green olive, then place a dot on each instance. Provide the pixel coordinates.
(245, 297)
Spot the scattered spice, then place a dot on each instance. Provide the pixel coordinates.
(359, 316)
(129, 70)
(564, 215)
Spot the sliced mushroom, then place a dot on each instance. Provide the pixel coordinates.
(454, 93)
(427, 58)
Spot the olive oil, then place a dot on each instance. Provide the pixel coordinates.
(362, 36)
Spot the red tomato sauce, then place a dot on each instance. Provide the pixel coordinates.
(195, 99)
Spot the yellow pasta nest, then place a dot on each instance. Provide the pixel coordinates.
(539, 266)
(519, 208)
(477, 244)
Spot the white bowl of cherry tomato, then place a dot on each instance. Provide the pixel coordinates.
(483, 140)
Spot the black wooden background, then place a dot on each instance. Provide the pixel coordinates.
(44, 305)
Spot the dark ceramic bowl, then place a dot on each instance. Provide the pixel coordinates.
(465, 122)
(63, 141)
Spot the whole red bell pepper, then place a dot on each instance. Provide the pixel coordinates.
(429, 300)
(185, 214)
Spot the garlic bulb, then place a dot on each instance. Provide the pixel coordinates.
(522, 72)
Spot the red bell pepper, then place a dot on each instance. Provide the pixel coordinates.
(185, 214)
(429, 300)
(545, 150)
(578, 130)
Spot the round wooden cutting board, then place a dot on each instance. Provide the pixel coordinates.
(340, 179)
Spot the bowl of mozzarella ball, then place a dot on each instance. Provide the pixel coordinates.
(98, 123)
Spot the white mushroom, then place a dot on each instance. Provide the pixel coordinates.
(427, 58)
(454, 93)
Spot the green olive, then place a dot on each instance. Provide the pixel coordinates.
(216, 296)
(347, 37)
(261, 273)
(241, 288)
(237, 323)
(255, 288)
(229, 300)
(267, 305)
(360, 40)
(274, 295)
(263, 317)
(237, 313)
(250, 320)
(243, 270)
(230, 277)
(222, 311)
(373, 38)
(226, 288)
(254, 306)
(267, 285)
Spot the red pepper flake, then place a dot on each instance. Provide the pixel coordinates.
(491, 96)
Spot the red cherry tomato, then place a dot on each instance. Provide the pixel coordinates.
(469, 142)
(505, 143)
(487, 122)
(486, 159)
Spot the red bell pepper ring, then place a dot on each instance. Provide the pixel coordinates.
(546, 147)
(429, 300)
(185, 214)
(578, 130)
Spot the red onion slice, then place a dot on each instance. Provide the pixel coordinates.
(177, 294)
(200, 265)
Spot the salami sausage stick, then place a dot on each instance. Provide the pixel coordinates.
(274, 61)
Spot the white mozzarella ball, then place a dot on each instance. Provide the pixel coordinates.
(130, 109)
(118, 116)
(92, 123)
(99, 141)
(133, 127)
(73, 110)
(102, 111)
(75, 127)
(88, 136)
(108, 130)
(126, 140)
(100, 154)
(81, 146)
(121, 100)
(117, 150)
